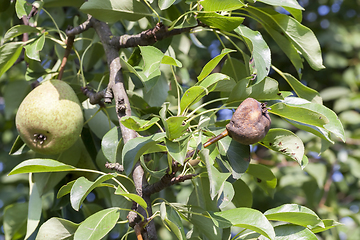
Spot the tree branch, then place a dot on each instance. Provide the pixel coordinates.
(69, 45)
(116, 87)
(81, 28)
(147, 37)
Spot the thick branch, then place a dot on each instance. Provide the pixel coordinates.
(116, 87)
(81, 28)
(146, 37)
(166, 181)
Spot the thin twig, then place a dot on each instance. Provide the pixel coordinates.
(69, 45)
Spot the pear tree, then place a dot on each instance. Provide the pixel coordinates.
(120, 114)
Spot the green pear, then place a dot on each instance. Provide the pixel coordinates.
(49, 119)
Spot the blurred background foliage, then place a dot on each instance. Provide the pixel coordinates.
(329, 184)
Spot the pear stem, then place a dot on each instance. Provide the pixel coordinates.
(216, 138)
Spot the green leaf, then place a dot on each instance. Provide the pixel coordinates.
(200, 195)
(136, 198)
(56, 228)
(212, 64)
(243, 195)
(171, 61)
(20, 7)
(66, 189)
(177, 150)
(215, 20)
(192, 96)
(14, 220)
(283, 3)
(34, 210)
(299, 113)
(82, 187)
(111, 144)
(261, 54)
(246, 218)
(62, 3)
(237, 155)
(265, 178)
(318, 131)
(165, 4)
(333, 125)
(289, 231)
(296, 214)
(318, 172)
(19, 30)
(98, 122)
(152, 57)
(285, 142)
(17, 146)
(136, 147)
(175, 127)
(113, 10)
(299, 35)
(280, 38)
(97, 225)
(32, 50)
(9, 53)
(212, 81)
(171, 217)
(204, 226)
(216, 178)
(221, 5)
(40, 165)
(268, 89)
(300, 89)
(329, 223)
(138, 124)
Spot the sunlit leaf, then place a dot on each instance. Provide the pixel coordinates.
(97, 225)
(222, 5)
(112, 10)
(213, 63)
(177, 150)
(82, 187)
(40, 165)
(285, 142)
(192, 96)
(219, 21)
(261, 54)
(329, 223)
(176, 127)
(246, 218)
(110, 144)
(333, 124)
(9, 53)
(299, 113)
(19, 30)
(296, 214)
(152, 57)
(32, 50)
(299, 35)
(283, 3)
(136, 198)
(136, 147)
(34, 211)
(56, 228)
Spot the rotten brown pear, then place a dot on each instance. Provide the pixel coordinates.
(248, 125)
